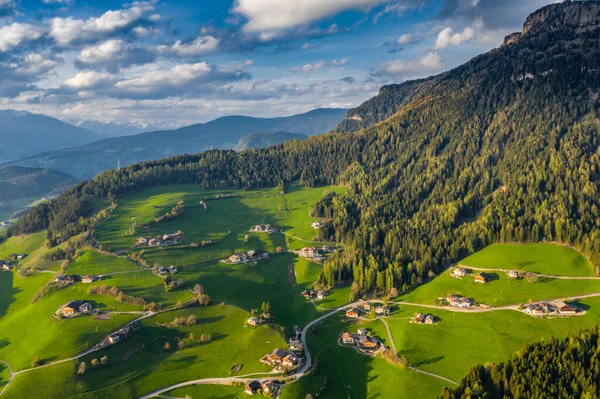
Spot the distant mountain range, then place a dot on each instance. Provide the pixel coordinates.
(116, 129)
(85, 161)
(260, 140)
(23, 134)
(18, 182)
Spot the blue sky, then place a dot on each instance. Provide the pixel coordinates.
(171, 63)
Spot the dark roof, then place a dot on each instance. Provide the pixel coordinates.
(254, 385)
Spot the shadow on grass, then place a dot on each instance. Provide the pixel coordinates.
(7, 291)
(429, 361)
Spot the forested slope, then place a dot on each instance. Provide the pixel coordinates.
(504, 148)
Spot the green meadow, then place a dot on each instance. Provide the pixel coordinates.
(92, 262)
(25, 244)
(549, 259)
(141, 364)
(501, 290)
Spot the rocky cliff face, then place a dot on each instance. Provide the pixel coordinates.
(582, 15)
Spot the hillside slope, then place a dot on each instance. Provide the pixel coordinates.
(261, 140)
(86, 161)
(503, 148)
(18, 182)
(23, 134)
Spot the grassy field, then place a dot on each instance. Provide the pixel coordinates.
(141, 364)
(501, 290)
(208, 392)
(539, 258)
(22, 244)
(92, 262)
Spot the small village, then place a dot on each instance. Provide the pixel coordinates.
(75, 308)
(161, 241)
(362, 341)
(13, 259)
(558, 308)
(421, 318)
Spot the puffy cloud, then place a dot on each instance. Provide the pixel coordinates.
(89, 80)
(64, 2)
(405, 39)
(13, 35)
(68, 30)
(273, 15)
(429, 63)
(341, 62)
(306, 68)
(447, 37)
(112, 55)
(200, 46)
(180, 80)
(18, 74)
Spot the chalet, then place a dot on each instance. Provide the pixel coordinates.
(250, 254)
(235, 258)
(458, 272)
(513, 274)
(459, 301)
(565, 308)
(154, 242)
(172, 269)
(419, 318)
(72, 279)
(347, 338)
(114, 338)
(86, 308)
(21, 256)
(327, 249)
(382, 310)
(535, 310)
(88, 279)
(263, 228)
(6, 266)
(316, 225)
(71, 308)
(307, 294)
(366, 306)
(352, 313)
(290, 360)
(173, 238)
(142, 241)
(275, 357)
(252, 387)
(253, 321)
(367, 343)
(429, 319)
(295, 344)
(321, 295)
(162, 271)
(268, 386)
(309, 252)
(362, 331)
(482, 278)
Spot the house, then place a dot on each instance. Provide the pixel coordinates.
(382, 310)
(362, 331)
(253, 321)
(172, 269)
(347, 338)
(513, 274)
(307, 294)
(114, 338)
(459, 301)
(419, 318)
(275, 357)
(366, 306)
(367, 343)
(250, 254)
(252, 387)
(290, 360)
(71, 308)
(86, 308)
(21, 256)
(316, 225)
(142, 241)
(72, 279)
(235, 258)
(268, 386)
(309, 252)
(327, 249)
(564, 308)
(154, 242)
(162, 271)
(482, 278)
(295, 344)
(88, 279)
(352, 313)
(7, 266)
(321, 295)
(535, 310)
(429, 319)
(458, 272)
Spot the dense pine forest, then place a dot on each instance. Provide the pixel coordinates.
(556, 369)
(504, 148)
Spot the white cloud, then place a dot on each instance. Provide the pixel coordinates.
(405, 39)
(89, 80)
(342, 61)
(306, 68)
(429, 63)
(447, 37)
(112, 55)
(200, 46)
(272, 15)
(65, 2)
(68, 30)
(13, 35)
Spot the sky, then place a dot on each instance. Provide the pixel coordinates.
(173, 63)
